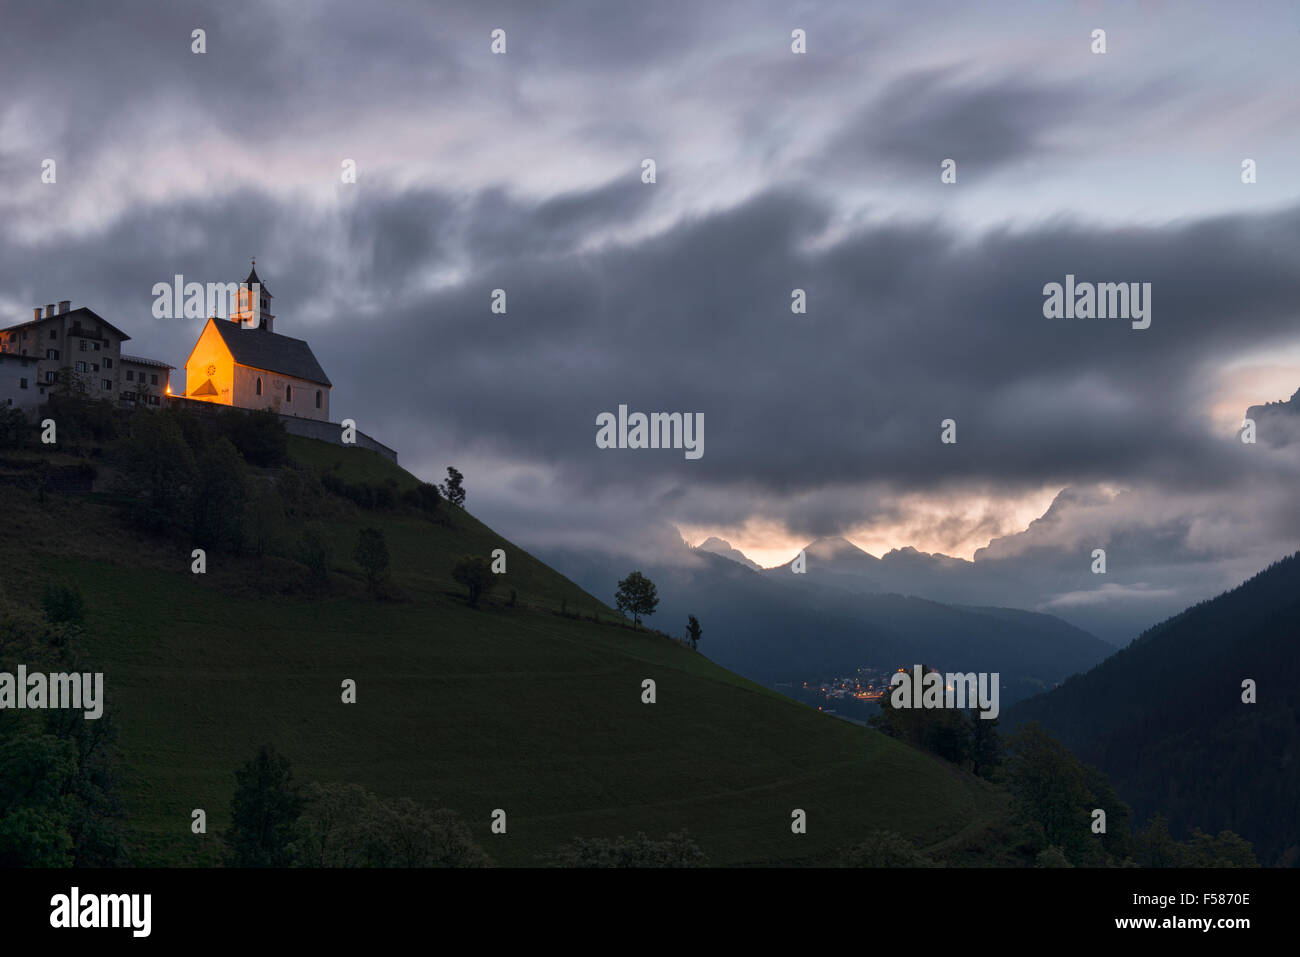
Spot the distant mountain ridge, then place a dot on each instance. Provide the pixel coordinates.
(782, 632)
(718, 546)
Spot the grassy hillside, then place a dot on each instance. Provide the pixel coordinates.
(506, 707)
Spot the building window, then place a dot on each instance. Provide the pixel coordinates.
(130, 375)
(108, 363)
(94, 347)
(318, 398)
(83, 367)
(288, 393)
(83, 345)
(54, 334)
(154, 379)
(51, 353)
(259, 385)
(49, 377)
(108, 385)
(22, 383)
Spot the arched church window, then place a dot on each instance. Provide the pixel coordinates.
(259, 385)
(288, 393)
(318, 398)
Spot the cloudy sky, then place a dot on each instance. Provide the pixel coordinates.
(775, 171)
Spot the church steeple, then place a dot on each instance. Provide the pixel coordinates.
(254, 309)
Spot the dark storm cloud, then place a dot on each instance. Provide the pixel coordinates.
(906, 327)
(816, 423)
(983, 123)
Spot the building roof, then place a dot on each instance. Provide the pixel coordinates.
(252, 278)
(141, 360)
(271, 351)
(86, 314)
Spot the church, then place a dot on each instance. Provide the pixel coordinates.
(243, 362)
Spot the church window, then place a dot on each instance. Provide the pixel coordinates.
(288, 393)
(259, 385)
(318, 398)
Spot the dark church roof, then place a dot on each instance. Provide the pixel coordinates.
(252, 278)
(260, 349)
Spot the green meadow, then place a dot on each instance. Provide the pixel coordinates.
(513, 707)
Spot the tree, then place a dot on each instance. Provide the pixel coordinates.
(636, 594)
(314, 552)
(263, 812)
(157, 460)
(475, 573)
(985, 745)
(221, 495)
(453, 489)
(1049, 791)
(693, 631)
(371, 553)
(263, 518)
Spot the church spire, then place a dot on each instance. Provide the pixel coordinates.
(254, 311)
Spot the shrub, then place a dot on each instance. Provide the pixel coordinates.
(474, 572)
(64, 605)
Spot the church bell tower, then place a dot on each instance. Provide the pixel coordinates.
(254, 308)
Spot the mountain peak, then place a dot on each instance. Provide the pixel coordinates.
(723, 548)
(835, 546)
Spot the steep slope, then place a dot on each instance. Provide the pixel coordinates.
(1165, 717)
(517, 708)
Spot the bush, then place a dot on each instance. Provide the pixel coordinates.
(676, 850)
(474, 572)
(15, 431)
(64, 605)
(259, 435)
(885, 849)
(344, 825)
(314, 552)
(1052, 857)
(424, 496)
